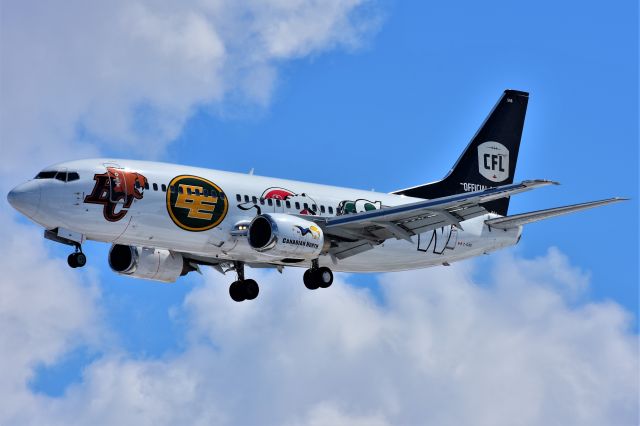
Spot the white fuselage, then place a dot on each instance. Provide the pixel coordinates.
(147, 220)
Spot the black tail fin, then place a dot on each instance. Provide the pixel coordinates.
(490, 158)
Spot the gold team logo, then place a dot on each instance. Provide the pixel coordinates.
(196, 204)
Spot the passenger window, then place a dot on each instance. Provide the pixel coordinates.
(254, 199)
(270, 201)
(314, 207)
(181, 189)
(163, 187)
(246, 198)
(238, 197)
(322, 208)
(278, 203)
(155, 186)
(188, 191)
(71, 176)
(197, 191)
(288, 203)
(306, 206)
(330, 210)
(262, 201)
(297, 205)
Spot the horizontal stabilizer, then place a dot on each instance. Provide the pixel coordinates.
(525, 218)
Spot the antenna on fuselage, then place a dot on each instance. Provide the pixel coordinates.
(251, 172)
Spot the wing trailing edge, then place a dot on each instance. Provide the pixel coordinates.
(535, 216)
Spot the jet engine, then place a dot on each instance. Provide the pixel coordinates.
(148, 262)
(286, 236)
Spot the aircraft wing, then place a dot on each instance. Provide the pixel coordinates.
(525, 218)
(359, 232)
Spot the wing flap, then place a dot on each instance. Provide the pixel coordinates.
(525, 218)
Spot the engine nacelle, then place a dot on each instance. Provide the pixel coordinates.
(285, 236)
(147, 262)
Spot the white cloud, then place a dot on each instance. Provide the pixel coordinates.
(439, 350)
(46, 310)
(84, 74)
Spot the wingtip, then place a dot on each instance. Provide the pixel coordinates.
(539, 182)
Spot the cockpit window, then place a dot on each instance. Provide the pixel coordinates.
(61, 176)
(46, 175)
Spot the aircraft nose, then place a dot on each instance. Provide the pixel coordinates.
(25, 198)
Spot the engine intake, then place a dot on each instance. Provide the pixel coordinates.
(147, 262)
(285, 236)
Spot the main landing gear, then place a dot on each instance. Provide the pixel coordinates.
(247, 289)
(77, 259)
(317, 277)
(243, 289)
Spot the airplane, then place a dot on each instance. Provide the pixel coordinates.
(166, 220)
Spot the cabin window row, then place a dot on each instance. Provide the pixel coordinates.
(283, 203)
(179, 189)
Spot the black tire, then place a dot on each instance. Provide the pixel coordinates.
(309, 279)
(324, 277)
(81, 259)
(236, 291)
(251, 289)
(71, 260)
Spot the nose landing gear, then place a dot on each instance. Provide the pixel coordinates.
(78, 258)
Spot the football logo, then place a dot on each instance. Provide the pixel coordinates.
(196, 204)
(116, 190)
(493, 161)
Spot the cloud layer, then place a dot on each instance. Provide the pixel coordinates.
(129, 74)
(440, 349)
(443, 347)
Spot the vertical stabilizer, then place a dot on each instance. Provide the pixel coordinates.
(490, 158)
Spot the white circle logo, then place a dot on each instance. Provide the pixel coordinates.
(493, 161)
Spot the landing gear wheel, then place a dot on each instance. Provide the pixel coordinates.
(236, 291)
(77, 260)
(324, 277)
(251, 289)
(71, 260)
(81, 259)
(310, 280)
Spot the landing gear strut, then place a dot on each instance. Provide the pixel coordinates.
(77, 259)
(317, 277)
(243, 289)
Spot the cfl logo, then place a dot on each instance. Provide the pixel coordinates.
(493, 161)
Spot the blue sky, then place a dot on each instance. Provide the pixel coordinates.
(386, 98)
